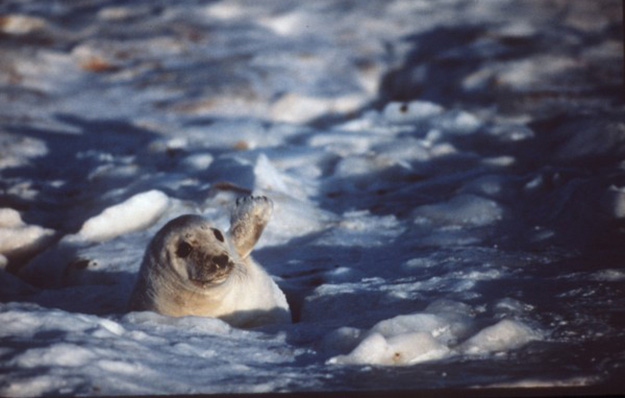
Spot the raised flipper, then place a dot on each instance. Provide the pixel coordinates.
(249, 218)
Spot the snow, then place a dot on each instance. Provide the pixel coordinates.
(465, 209)
(21, 24)
(17, 239)
(505, 335)
(136, 213)
(401, 349)
(410, 112)
(447, 178)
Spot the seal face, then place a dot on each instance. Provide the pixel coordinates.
(200, 251)
(192, 268)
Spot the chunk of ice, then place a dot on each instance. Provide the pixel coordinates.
(18, 239)
(402, 349)
(136, 213)
(503, 336)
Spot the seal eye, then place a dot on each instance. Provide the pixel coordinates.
(218, 235)
(184, 249)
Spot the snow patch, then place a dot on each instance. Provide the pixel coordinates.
(420, 337)
(294, 218)
(411, 112)
(438, 326)
(136, 213)
(61, 354)
(15, 24)
(463, 209)
(17, 239)
(402, 349)
(18, 151)
(457, 122)
(299, 108)
(613, 201)
(504, 336)
(361, 228)
(194, 324)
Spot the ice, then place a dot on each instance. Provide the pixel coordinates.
(197, 162)
(294, 108)
(490, 186)
(614, 201)
(432, 115)
(511, 307)
(404, 151)
(344, 143)
(76, 261)
(434, 334)
(224, 10)
(610, 275)
(19, 240)
(505, 335)
(135, 213)
(447, 178)
(270, 179)
(190, 323)
(235, 134)
(411, 112)
(457, 122)
(343, 339)
(464, 209)
(402, 349)
(16, 151)
(21, 24)
(68, 355)
(10, 218)
(285, 24)
(442, 328)
(591, 138)
(361, 228)
(414, 338)
(294, 218)
(89, 346)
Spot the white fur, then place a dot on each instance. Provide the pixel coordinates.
(244, 297)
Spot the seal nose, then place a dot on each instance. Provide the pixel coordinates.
(221, 260)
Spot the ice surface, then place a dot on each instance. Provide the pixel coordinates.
(447, 180)
(90, 346)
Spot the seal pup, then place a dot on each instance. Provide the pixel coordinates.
(192, 268)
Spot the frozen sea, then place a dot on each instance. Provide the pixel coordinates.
(448, 179)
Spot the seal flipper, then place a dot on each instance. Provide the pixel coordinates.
(247, 222)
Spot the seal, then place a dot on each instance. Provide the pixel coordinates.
(192, 268)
